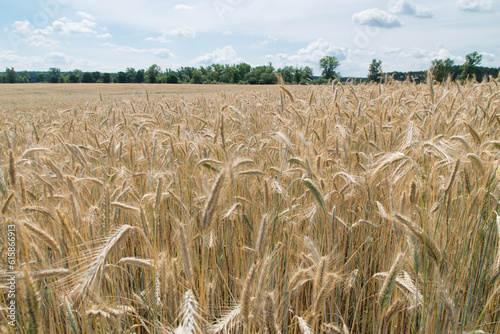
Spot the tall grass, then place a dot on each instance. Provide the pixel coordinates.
(358, 209)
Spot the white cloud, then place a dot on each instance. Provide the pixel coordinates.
(163, 54)
(41, 41)
(186, 32)
(408, 7)
(106, 35)
(44, 61)
(311, 54)
(84, 15)
(9, 57)
(126, 49)
(184, 7)
(32, 37)
(21, 27)
(475, 5)
(157, 53)
(64, 26)
(489, 59)
(58, 58)
(68, 27)
(226, 55)
(269, 40)
(377, 18)
(161, 39)
(417, 56)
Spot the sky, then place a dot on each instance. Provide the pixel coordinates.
(112, 35)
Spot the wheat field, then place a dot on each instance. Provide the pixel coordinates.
(368, 208)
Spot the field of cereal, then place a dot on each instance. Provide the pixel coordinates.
(251, 209)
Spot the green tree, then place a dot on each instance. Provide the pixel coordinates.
(74, 76)
(139, 76)
(87, 77)
(231, 74)
(122, 77)
(40, 77)
(441, 69)
(130, 74)
(197, 77)
(54, 75)
(24, 77)
(153, 74)
(243, 69)
(216, 72)
(329, 64)
(303, 75)
(287, 73)
(106, 78)
(96, 76)
(11, 75)
(470, 65)
(375, 71)
(172, 78)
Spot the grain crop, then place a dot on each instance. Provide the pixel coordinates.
(343, 208)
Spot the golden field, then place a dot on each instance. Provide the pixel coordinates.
(251, 209)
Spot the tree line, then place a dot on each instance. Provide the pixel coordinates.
(441, 70)
(244, 73)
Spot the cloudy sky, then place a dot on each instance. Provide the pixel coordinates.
(111, 35)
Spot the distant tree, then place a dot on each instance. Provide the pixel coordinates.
(197, 77)
(96, 76)
(268, 77)
(216, 72)
(306, 74)
(139, 76)
(185, 73)
(231, 74)
(172, 78)
(375, 71)
(40, 77)
(243, 69)
(106, 78)
(24, 77)
(54, 75)
(122, 77)
(10, 75)
(440, 69)
(470, 65)
(184, 78)
(287, 73)
(87, 77)
(130, 74)
(153, 74)
(329, 64)
(74, 77)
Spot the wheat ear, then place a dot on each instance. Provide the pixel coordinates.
(32, 301)
(389, 282)
(191, 322)
(97, 265)
(246, 293)
(211, 203)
